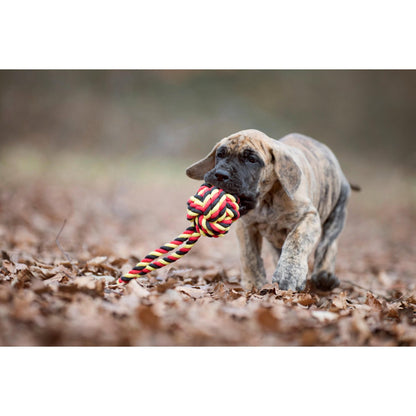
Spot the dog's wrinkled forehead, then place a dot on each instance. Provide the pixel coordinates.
(241, 141)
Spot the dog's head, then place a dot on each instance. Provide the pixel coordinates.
(246, 165)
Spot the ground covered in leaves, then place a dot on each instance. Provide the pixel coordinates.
(67, 237)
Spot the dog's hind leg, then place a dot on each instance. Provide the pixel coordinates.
(323, 276)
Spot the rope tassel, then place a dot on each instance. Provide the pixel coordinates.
(211, 211)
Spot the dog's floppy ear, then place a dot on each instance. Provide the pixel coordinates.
(200, 168)
(287, 170)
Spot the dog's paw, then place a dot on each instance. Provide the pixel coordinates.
(300, 286)
(287, 284)
(288, 281)
(253, 283)
(325, 281)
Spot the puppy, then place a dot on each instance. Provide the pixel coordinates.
(292, 192)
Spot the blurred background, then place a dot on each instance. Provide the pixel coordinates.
(181, 114)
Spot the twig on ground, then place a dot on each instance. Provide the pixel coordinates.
(67, 256)
(367, 289)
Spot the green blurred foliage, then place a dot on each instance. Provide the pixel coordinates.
(181, 114)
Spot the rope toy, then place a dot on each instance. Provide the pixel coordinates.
(211, 211)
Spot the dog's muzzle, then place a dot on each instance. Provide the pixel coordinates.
(222, 179)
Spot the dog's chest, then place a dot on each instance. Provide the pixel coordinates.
(273, 225)
(273, 233)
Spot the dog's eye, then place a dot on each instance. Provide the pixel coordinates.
(251, 158)
(221, 153)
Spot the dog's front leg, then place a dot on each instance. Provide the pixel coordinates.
(292, 268)
(252, 268)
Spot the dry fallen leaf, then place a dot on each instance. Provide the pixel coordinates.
(9, 266)
(268, 288)
(360, 326)
(373, 302)
(306, 299)
(267, 319)
(70, 295)
(323, 316)
(339, 302)
(192, 292)
(96, 261)
(138, 290)
(147, 316)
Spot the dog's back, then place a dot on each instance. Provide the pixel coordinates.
(324, 174)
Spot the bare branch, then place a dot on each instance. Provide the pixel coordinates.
(67, 256)
(366, 289)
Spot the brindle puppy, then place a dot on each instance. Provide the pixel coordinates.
(292, 192)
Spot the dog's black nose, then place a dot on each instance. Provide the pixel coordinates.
(222, 175)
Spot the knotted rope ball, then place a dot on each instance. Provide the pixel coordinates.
(211, 211)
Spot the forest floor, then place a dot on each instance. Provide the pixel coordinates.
(70, 227)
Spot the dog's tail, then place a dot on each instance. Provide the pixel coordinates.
(356, 188)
